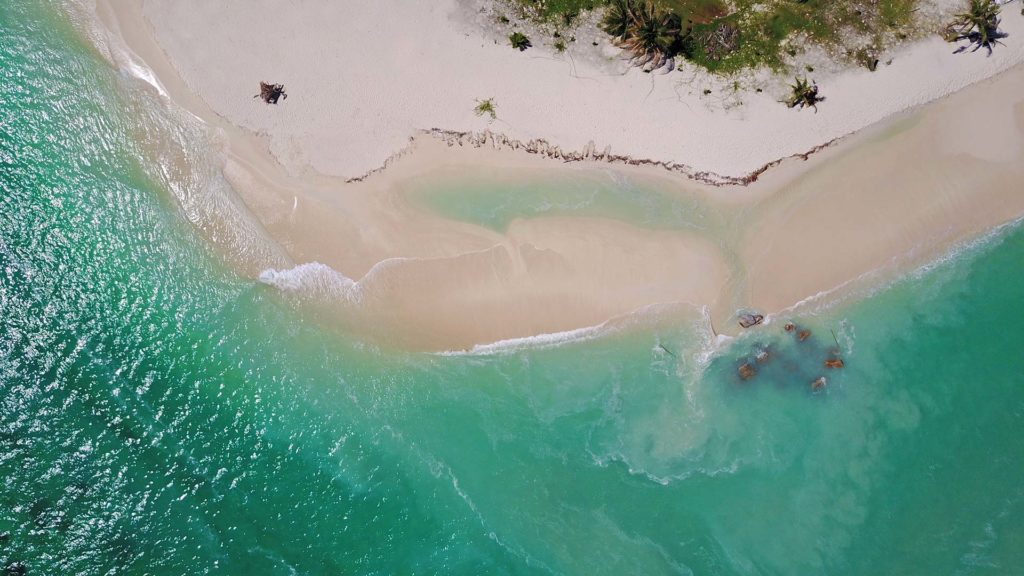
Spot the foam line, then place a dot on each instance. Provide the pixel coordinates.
(539, 341)
(312, 277)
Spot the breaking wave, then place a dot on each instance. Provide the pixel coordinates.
(313, 278)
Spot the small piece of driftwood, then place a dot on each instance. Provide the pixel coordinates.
(271, 93)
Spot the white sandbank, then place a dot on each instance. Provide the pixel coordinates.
(363, 77)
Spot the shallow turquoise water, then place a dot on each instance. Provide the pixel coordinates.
(161, 415)
(600, 194)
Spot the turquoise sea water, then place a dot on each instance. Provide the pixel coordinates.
(161, 415)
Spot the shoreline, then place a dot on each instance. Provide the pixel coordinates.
(433, 283)
(347, 116)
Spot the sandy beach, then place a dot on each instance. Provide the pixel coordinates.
(916, 180)
(356, 97)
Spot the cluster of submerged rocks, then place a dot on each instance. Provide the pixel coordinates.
(749, 367)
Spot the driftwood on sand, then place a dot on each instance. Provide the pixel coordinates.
(271, 93)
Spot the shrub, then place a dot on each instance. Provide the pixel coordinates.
(804, 94)
(979, 25)
(519, 41)
(487, 107)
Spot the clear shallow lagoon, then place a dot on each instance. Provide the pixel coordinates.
(592, 194)
(161, 415)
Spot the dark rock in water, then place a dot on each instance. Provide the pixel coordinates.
(748, 320)
(834, 363)
(747, 371)
(803, 335)
(4, 537)
(16, 569)
(818, 384)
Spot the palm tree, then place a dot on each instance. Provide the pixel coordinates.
(979, 25)
(804, 94)
(650, 31)
(617, 18)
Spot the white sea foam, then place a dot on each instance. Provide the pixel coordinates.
(711, 342)
(969, 247)
(875, 281)
(879, 279)
(554, 339)
(690, 467)
(133, 66)
(539, 341)
(312, 278)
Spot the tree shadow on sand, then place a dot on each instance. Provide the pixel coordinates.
(978, 25)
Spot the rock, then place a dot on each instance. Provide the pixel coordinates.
(748, 320)
(747, 371)
(818, 384)
(803, 335)
(834, 363)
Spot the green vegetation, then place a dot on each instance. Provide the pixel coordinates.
(519, 41)
(730, 35)
(487, 107)
(978, 25)
(651, 31)
(804, 94)
(558, 11)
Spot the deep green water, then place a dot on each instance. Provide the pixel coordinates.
(161, 415)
